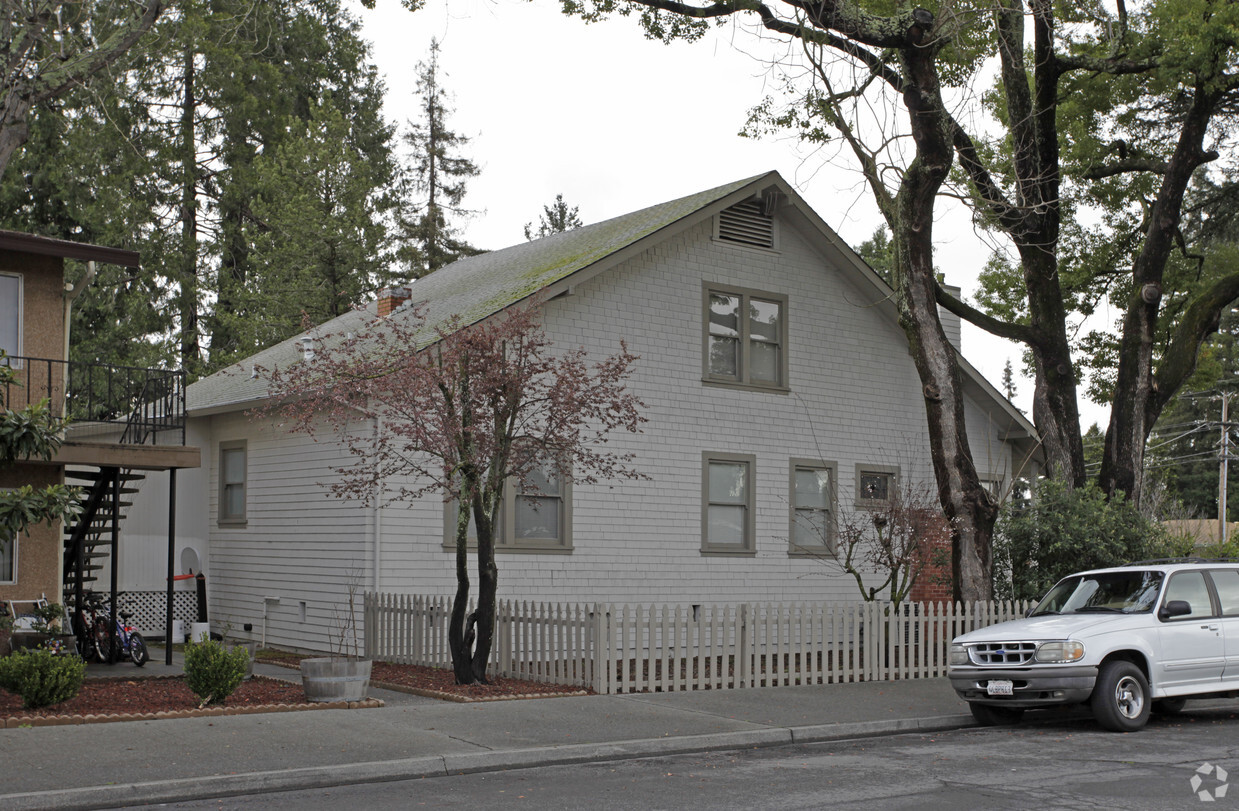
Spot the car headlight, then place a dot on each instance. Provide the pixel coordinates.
(959, 655)
(1059, 652)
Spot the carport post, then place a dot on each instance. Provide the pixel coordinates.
(167, 644)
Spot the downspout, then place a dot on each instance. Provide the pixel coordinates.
(378, 514)
(370, 639)
(72, 291)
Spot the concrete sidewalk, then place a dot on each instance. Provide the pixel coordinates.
(106, 765)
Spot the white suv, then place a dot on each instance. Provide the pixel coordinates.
(1127, 640)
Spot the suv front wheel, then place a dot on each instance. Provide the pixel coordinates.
(1120, 699)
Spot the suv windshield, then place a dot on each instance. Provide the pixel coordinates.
(1133, 592)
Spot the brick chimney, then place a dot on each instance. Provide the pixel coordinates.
(392, 297)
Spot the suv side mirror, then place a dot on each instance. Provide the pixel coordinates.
(1175, 608)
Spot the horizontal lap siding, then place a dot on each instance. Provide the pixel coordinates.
(641, 540)
(299, 544)
(854, 400)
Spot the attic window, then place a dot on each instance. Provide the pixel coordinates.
(747, 224)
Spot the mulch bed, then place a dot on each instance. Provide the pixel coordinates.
(156, 697)
(437, 682)
(440, 683)
(148, 698)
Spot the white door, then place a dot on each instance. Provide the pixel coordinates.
(1192, 646)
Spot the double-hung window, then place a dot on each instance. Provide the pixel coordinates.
(536, 516)
(745, 341)
(727, 520)
(812, 506)
(233, 481)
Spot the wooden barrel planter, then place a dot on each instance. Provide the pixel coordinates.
(330, 679)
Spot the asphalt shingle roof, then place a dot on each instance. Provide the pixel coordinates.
(473, 288)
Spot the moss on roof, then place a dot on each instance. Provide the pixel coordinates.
(476, 287)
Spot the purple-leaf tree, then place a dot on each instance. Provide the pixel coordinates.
(461, 410)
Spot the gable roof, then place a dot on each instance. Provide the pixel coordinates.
(478, 287)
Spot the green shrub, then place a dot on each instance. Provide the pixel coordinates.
(41, 677)
(213, 672)
(1064, 531)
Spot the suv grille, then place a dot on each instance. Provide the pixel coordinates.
(1003, 653)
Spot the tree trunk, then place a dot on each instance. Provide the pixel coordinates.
(14, 125)
(1056, 411)
(488, 580)
(965, 503)
(459, 642)
(1137, 401)
(191, 353)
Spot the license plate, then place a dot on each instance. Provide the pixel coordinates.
(999, 687)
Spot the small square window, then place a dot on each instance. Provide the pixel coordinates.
(875, 485)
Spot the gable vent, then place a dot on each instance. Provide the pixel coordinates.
(747, 224)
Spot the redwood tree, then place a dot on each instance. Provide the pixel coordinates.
(474, 407)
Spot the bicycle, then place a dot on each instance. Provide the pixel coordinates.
(128, 642)
(91, 630)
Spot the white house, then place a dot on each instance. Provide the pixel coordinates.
(777, 381)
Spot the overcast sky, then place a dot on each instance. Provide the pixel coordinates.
(615, 122)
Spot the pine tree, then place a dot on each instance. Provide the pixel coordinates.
(555, 219)
(324, 206)
(439, 175)
(1008, 381)
(877, 251)
(161, 158)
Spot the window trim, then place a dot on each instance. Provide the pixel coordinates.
(21, 314)
(828, 546)
(742, 381)
(224, 519)
(749, 546)
(869, 503)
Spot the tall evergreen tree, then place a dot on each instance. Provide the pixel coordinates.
(52, 47)
(161, 158)
(439, 175)
(1008, 381)
(323, 203)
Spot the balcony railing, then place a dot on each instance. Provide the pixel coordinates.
(110, 404)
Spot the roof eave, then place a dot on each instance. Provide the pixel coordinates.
(66, 249)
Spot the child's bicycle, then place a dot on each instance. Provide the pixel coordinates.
(128, 642)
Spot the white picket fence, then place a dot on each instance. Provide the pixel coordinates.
(634, 648)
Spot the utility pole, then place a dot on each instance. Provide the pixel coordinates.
(1222, 473)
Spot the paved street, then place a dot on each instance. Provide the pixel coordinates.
(1064, 764)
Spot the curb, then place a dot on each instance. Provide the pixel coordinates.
(215, 786)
